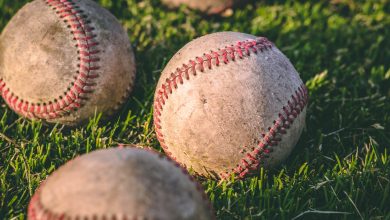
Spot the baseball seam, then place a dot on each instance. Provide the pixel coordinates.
(88, 60)
(273, 137)
(36, 207)
(215, 59)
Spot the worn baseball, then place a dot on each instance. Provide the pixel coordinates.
(120, 183)
(229, 103)
(63, 61)
(206, 6)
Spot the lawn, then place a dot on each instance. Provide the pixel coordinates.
(339, 169)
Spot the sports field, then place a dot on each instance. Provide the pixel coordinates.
(339, 169)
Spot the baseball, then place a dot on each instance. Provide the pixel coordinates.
(206, 6)
(229, 103)
(120, 183)
(63, 61)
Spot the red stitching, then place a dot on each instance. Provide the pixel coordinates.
(227, 55)
(88, 65)
(36, 208)
(292, 110)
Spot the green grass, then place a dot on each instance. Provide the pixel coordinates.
(341, 166)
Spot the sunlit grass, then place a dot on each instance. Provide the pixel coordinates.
(340, 168)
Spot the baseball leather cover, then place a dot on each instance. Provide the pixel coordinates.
(120, 183)
(63, 61)
(229, 103)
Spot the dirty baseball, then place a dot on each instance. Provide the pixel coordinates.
(120, 183)
(229, 103)
(65, 61)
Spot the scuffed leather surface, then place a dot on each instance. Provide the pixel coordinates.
(38, 59)
(127, 182)
(209, 121)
